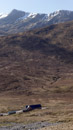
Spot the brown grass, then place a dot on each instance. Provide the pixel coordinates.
(36, 69)
(56, 110)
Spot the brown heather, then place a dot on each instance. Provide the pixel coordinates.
(37, 67)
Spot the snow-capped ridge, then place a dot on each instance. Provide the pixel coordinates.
(54, 14)
(28, 15)
(20, 21)
(42, 17)
(32, 15)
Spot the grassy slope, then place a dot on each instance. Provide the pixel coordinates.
(37, 67)
(37, 62)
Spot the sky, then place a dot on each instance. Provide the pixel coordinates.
(35, 6)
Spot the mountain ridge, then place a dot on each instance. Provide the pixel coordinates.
(19, 21)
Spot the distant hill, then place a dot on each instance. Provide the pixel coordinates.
(19, 21)
(38, 62)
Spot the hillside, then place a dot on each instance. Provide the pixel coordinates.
(38, 63)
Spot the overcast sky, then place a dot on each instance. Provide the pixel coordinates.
(36, 6)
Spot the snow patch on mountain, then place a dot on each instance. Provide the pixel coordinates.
(32, 15)
(3, 15)
(54, 14)
(28, 15)
(48, 17)
(24, 17)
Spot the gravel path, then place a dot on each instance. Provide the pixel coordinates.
(32, 126)
(61, 126)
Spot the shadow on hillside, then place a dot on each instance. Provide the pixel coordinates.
(35, 43)
(48, 49)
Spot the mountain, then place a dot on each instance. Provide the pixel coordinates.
(19, 21)
(38, 63)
